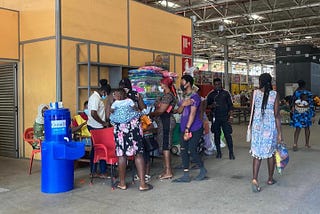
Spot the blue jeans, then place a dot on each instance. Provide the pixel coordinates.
(191, 146)
(102, 163)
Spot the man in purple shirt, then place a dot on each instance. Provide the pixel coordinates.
(191, 129)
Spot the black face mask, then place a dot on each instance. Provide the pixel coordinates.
(182, 88)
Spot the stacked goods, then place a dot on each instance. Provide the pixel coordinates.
(146, 81)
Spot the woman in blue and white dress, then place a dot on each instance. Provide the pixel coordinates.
(266, 129)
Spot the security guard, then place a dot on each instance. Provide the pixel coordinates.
(220, 103)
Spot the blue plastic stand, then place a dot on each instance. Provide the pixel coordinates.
(57, 153)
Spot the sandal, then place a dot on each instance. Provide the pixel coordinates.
(307, 146)
(295, 147)
(255, 186)
(149, 187)
(271, 182)
(118, 186)
(164, 177)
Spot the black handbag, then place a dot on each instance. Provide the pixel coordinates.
(150, 143)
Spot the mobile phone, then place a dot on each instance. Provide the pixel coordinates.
(169, 109)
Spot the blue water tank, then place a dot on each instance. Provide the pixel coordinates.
(57, 153)
(57, 125)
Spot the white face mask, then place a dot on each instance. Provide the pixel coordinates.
(160, 89)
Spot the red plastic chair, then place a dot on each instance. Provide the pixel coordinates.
(105, 149)
(28, 137)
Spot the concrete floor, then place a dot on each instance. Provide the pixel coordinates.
(227, 190)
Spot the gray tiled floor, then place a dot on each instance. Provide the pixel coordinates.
(226, 191)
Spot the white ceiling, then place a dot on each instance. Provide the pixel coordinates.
(285, 22)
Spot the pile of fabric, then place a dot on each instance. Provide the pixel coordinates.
(146, 81)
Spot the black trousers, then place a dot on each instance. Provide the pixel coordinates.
(227, 131)
(189, 148)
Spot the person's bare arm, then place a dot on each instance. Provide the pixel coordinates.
(160, 110)
(95, 116)
(77, 128)
(278, 118)
(141, 103)
(185, 103)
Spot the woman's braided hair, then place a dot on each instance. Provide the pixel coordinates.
(265, 83)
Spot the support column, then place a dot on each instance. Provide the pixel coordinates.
(58, 50)
(226, 67)
(248, 70)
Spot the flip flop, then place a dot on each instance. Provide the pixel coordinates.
(164, 177)
(149, 187)
(295, 147)
(255, 187)
(271, 182)
(121, 187)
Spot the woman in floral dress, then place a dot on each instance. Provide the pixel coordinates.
(266, 129)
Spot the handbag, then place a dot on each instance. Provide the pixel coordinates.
(282, 157)
(150, 143)
(248, 138)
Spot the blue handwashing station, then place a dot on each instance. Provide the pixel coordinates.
(57, 151)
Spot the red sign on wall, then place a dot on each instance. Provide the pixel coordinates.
(186, 63)
(186, 44)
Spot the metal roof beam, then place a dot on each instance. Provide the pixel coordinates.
(258, 13)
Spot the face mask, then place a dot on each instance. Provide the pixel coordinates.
(182, 88)
(160, 89)
(104, 97)
(86, 111)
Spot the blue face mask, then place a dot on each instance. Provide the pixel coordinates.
(104, 97)
(86, 111)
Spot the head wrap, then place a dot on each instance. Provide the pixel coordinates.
(168, 81)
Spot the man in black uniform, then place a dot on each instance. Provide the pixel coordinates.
(220, 103)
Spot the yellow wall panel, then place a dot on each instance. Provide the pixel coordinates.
(97, 20)
(69, 68)
(11, 4)
(114, 55)
(9, 34)
(37, 19)
(155, 29)
(178, 69)
(139, 58)
(39, 79)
